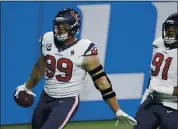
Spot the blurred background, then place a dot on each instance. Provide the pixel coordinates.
(123, 32)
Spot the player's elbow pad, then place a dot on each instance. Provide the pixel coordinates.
(95, 76)
(106, 93)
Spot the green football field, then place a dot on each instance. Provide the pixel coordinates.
(80, 125)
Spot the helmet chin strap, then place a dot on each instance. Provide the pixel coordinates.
(62, 38)
(170, 43)
(169, 40)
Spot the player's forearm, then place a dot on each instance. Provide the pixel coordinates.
(35, 77)
(112, 102)
(107, 93)
(101, 81)
(37, 73)
(175, 92)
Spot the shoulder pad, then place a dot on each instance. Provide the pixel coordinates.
(158, 43)
(46, 36)
(90, 47)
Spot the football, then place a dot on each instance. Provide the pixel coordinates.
(24, 99)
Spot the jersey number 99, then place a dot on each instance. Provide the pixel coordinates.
(63, 65)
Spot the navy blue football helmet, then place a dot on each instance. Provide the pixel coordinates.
(70, 21)
(170, 30)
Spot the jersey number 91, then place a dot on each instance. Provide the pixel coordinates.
(157, 61)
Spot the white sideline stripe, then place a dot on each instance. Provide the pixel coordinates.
(70, 113)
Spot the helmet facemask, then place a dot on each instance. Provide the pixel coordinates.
(61, 29)
(170, 33)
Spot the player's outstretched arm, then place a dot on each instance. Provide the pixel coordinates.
(103, 84)
(37, 73)
(94, 68)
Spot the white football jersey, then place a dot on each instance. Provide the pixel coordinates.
(164, 71)
(64, 72)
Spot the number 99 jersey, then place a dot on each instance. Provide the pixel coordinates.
(64, 72)
(164, 71)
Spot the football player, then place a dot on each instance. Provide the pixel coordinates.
(159, 106)
(64, 62)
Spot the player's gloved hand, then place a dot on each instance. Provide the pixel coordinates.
(125, 117)
(23, 88)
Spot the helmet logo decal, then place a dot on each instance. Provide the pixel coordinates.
(74, 15)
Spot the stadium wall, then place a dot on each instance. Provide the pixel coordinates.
(123, 32)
